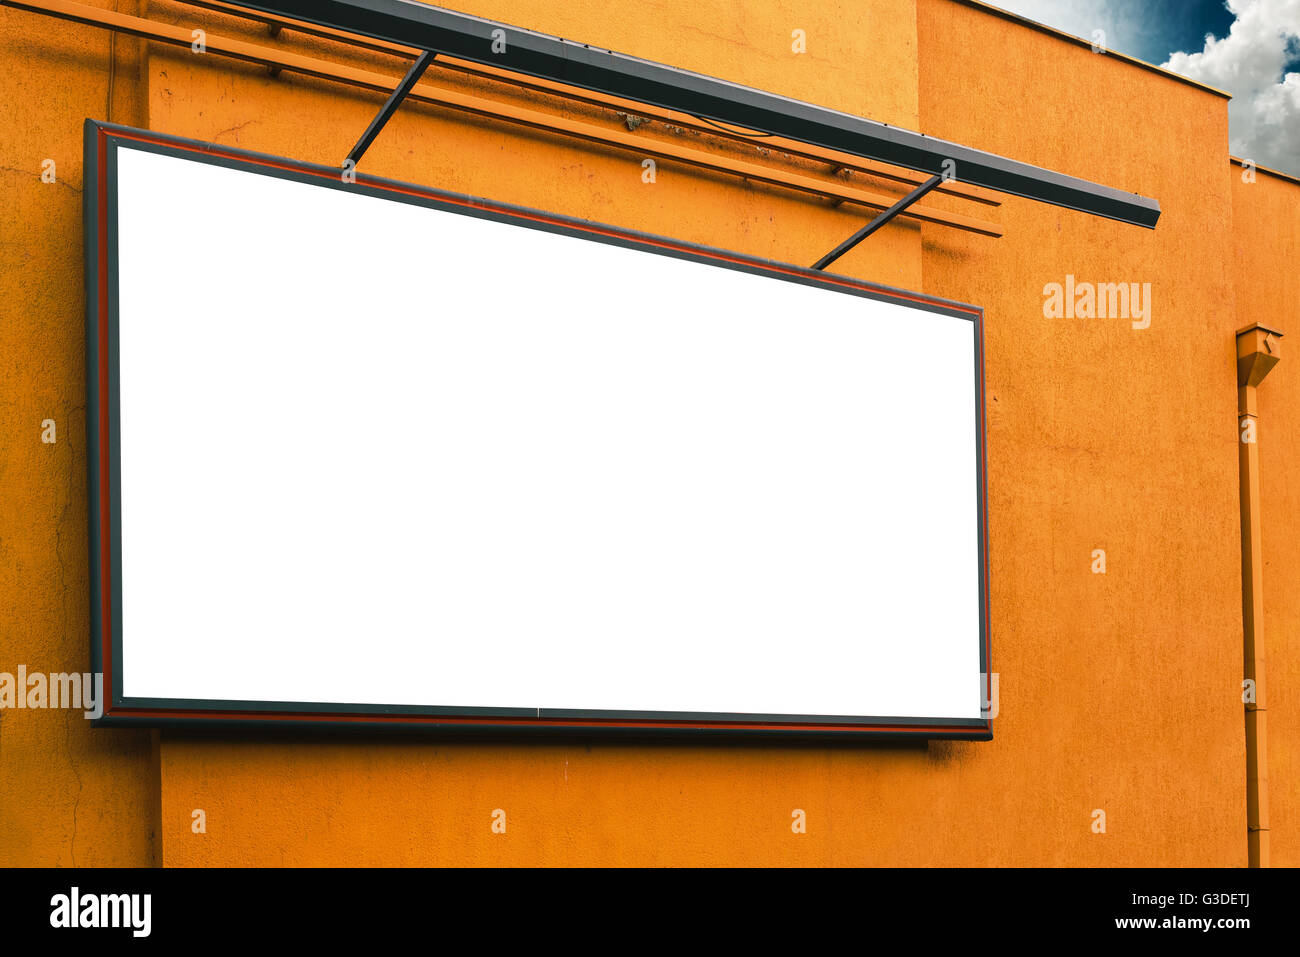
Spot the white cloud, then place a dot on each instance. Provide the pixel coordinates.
(1264, 115)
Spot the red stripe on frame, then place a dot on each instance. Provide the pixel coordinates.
(105, 516)
(526, 722)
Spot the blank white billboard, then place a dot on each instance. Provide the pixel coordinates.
(388, 457)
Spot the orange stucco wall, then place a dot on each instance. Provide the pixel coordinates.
(1118, 692)
(67, 795)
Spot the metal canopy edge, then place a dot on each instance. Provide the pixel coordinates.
(539, 55)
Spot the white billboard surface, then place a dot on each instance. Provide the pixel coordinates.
(376, 453)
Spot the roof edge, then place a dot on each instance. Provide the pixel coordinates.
(1079, 41)
(1289, 177)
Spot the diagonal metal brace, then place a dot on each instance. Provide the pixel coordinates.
(394, 100)
(879, 221)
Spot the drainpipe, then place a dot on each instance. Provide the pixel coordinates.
(1258, 351)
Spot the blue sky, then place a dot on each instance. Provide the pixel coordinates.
(1249, 48)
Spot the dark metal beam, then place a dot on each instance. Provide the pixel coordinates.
(876, 223)
(394, 100)
(615, 74)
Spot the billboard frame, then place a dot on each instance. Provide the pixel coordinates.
(101, 143)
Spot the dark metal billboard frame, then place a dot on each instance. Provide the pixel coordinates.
(102, 144)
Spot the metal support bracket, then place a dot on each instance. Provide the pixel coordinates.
(504, 47)
(394, 101)
(879, 221)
